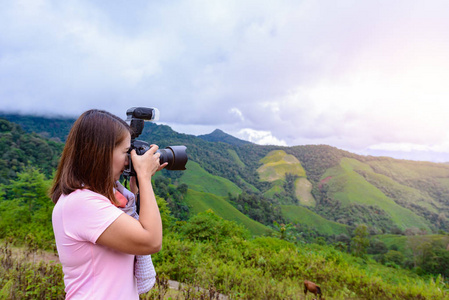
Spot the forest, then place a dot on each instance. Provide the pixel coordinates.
(354, 250)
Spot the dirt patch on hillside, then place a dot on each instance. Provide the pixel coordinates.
(303, 190)
(324, 181)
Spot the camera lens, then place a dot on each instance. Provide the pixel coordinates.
(175, 156)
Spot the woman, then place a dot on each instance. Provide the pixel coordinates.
(97, 241)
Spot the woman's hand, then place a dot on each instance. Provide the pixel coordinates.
(147, 165)
(143, 236)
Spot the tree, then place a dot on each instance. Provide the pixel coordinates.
(377, 246)
(360, 241)
(207, 226)
(284, 230)
(395, 257)
(418, 245)
(25, 208)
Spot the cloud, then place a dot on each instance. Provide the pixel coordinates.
(260, 137)
(238, 113)
(352, 74)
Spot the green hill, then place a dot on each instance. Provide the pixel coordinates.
(284, 171)
(200, 202)
(278, 163)
(384, 193)
(404, 243)
(268, 183)
(302, 215)
(303, 191)
(19, 149)
(219, 136)
(349, 187)
(200, 180)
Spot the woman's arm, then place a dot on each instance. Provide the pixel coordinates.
(143, 236)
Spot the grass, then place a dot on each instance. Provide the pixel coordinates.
(275, 189)
(236, 158)
(302, 215)
(409, 170)
(403, 192)
(353, 188)
(277, 163)
(303, 191)
(402, 241)
(200, 202)
(198, 179)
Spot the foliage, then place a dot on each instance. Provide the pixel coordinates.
(347, 191)
(200, 202)
(200, 180)
(207, 226)
(307, 218)
(258, 208)
(360, 241)
(19, 150)
(284, 231)
(52, 128)
(219, 136)
(25, 209)
(387, 195)
(271, 268)
(213, 253)
(316, 159)
(174, 197)
(23, 279)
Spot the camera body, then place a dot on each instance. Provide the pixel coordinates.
(176, 156)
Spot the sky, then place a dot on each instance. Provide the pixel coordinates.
(369, 77)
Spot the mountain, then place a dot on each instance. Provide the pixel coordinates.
(317, 187)
(219, 136)
(19, 149)
(53, 128)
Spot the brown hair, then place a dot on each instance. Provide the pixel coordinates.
(86, 160)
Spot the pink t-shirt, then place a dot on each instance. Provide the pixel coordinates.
(91, 271)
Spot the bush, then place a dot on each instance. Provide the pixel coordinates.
(207, 226)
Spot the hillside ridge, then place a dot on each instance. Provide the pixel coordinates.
(331, 178)
(219, 135)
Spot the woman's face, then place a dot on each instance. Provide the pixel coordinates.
(120, 157)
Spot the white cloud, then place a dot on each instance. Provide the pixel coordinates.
(352, 74)
(260, 137)
(238, 113)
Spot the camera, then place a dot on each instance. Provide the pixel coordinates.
(176, 156)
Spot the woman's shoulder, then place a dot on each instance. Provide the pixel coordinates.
(86, 192)
(84, 195)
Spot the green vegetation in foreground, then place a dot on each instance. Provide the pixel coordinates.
(200, 202)
(348, 186)
(209, 251)
(270, 268)
(302, 215)
(200, 180)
